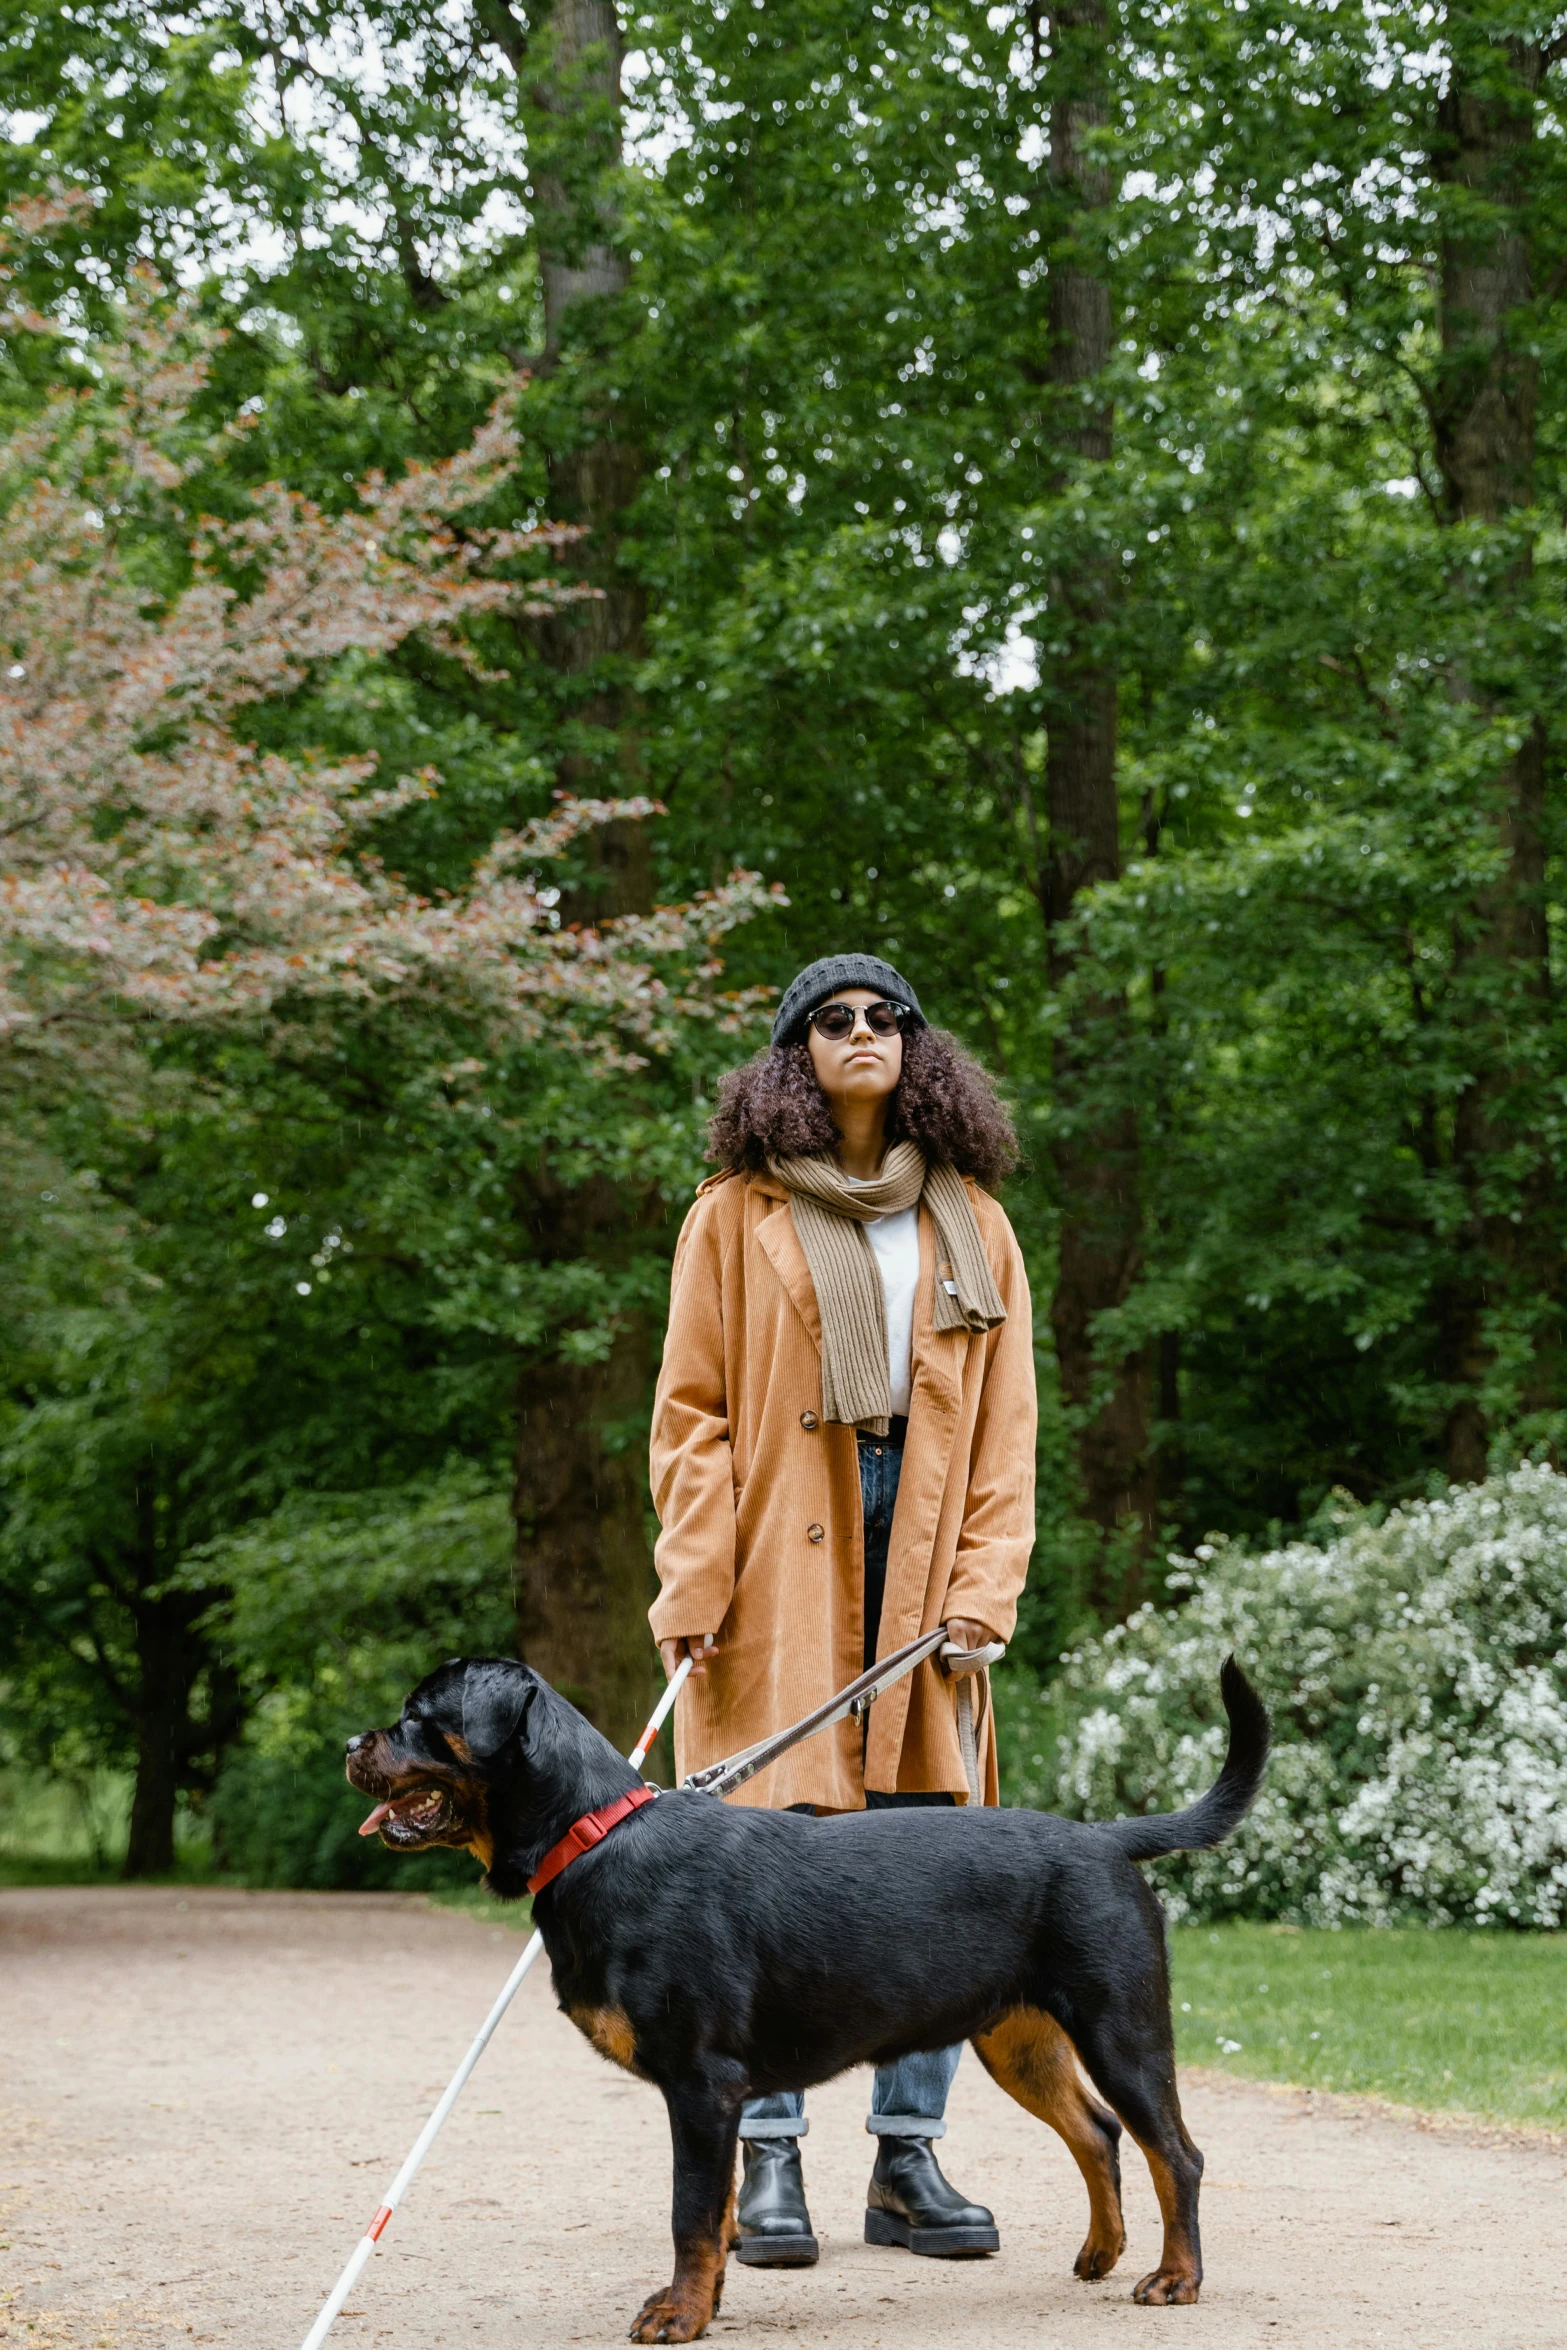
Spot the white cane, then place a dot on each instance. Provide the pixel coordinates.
(399, 2187)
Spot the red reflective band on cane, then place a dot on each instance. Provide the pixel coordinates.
(591, 1829)
(373, 2231)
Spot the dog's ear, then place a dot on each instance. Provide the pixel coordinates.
(495, 1694)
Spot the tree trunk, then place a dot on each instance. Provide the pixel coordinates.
(568, 57)
(584, 1563)
(1095, 1147)
(1509, 1267)
(168, 1662)
(584, 1567)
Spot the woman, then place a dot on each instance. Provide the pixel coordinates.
(842, 1459)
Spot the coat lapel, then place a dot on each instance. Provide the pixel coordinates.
(780, 1244)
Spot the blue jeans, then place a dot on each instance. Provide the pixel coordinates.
(909, 2098)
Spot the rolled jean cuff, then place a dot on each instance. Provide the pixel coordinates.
(904, 2125)
(781, 2126)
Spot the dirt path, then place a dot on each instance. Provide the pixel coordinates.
(205, 2093)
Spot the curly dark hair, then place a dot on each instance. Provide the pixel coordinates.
(774, 1108)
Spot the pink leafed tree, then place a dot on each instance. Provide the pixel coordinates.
(156, 865)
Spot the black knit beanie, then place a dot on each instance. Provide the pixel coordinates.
(820, 980)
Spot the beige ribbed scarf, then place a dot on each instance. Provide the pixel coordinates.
(830, 1215)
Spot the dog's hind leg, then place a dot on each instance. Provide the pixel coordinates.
(1032, 2059)
(1136, 2072)
(703, 2124)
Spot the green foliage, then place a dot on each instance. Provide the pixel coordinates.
(339, 1604)
(863, 503)
(1416, 1670)
(860, 494)
(344, 1597)
(256, 1257)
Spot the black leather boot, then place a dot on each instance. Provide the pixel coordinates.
(910, 2203)
(775, 2227)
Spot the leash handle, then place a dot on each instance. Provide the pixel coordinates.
(956, 1661)
(332, 2307)
(962, 1666)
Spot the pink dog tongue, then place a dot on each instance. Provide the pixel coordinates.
(368, 1827)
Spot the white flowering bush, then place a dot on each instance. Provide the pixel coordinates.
(1416, 1671)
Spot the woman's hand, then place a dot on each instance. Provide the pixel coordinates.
(967, 1635)
(675, 1652)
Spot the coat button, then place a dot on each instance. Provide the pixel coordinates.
(814, 1533)
(809, 1422)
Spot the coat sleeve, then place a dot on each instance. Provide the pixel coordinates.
(690, 1456)
(997, 1535)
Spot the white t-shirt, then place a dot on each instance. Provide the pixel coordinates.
(896, 1243)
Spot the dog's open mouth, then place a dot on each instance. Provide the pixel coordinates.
(411, 1819)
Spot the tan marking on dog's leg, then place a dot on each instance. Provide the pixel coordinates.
(689, 2302)
(1178, 2278)
(1029, 2056)
(611, 2031)
(728, 2235)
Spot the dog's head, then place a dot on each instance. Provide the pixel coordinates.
(431, 1773)
(485, 1755)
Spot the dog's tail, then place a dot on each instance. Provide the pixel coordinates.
(1218, 1813)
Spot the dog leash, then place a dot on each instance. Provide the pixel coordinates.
(716, 1779)
(722, 1778)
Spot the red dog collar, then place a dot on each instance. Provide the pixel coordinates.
(591, 1829)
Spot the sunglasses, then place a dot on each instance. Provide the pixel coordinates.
(836, 1021)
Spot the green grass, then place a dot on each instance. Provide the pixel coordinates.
(1450, 2021)
(50, 1825)
(193, 1866)
(58, 1833)
(471, 1901)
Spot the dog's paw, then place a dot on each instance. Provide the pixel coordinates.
(669, 2316)
(1097, 2259)
(1163, 2289)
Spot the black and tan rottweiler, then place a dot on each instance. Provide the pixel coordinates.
(730, 1953)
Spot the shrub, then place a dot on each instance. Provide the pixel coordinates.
(338, 1604)
(1416, 1669)
(282, 1815)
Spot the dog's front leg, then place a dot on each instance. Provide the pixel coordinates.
(703, 2122)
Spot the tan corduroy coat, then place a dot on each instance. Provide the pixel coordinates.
(759, 1503)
